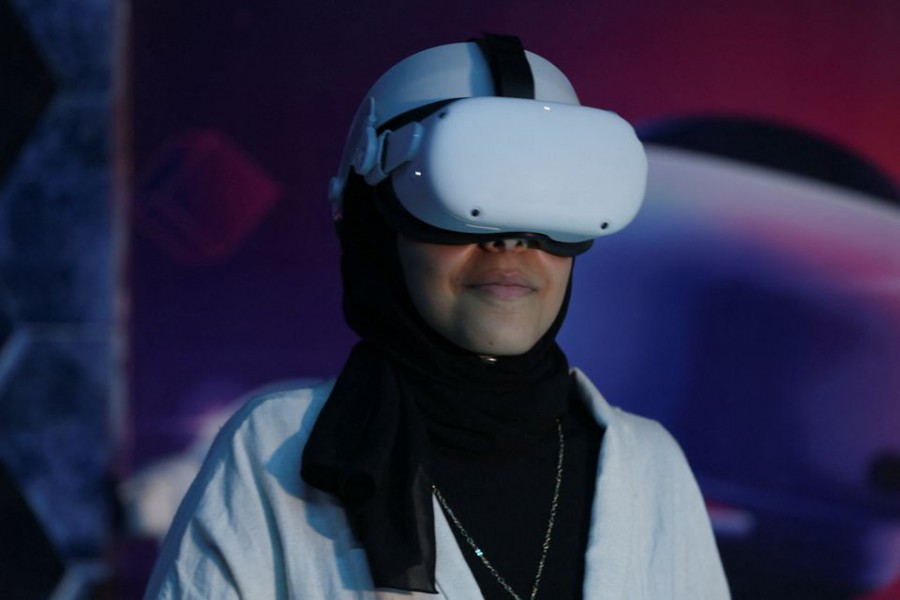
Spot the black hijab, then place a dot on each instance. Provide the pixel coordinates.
(405, 387)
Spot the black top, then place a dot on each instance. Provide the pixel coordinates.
(503, 500)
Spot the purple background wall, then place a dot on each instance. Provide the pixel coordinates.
(278, 83)
(239, 114)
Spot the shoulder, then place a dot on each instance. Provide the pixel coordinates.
(647, 502)
(247, 496)
(267, 420)
(264, 436)
(634, 433)
(262, 442)
(295, 403)
(638, 449)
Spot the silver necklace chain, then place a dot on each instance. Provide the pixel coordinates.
(544, 547)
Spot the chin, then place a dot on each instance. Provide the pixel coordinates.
(500, 345)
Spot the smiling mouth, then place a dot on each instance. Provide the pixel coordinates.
(504, 287)
(504, 291)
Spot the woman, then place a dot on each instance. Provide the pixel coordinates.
(456, 454)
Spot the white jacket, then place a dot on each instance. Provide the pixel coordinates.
(251, 528)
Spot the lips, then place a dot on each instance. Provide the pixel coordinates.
(503, 285)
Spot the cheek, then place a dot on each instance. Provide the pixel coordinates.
(562, 273)
(430, 275)
(431, 297)
(560, 270)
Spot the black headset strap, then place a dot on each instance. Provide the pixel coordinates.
(509, 67)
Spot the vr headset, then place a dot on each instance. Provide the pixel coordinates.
(473, 169)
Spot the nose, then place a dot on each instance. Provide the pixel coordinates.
(511, 244)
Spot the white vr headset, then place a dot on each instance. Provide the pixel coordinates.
(558, 173)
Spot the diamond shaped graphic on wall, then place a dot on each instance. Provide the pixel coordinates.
(27, 86)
